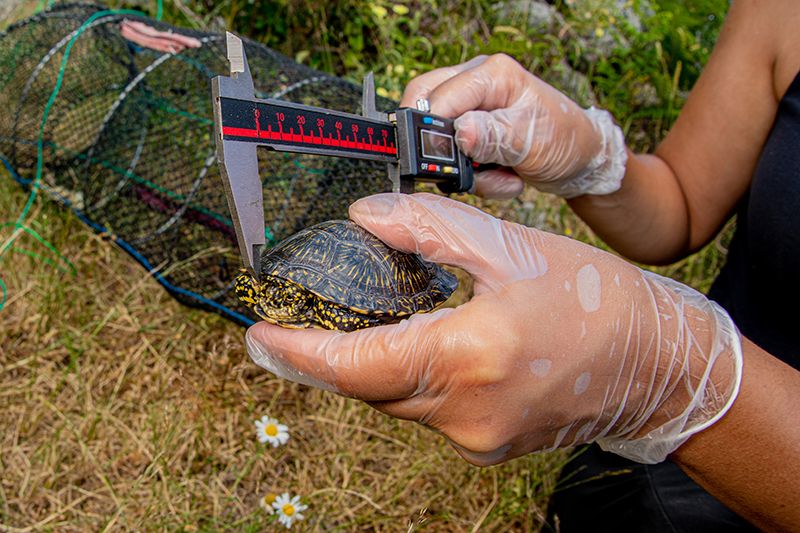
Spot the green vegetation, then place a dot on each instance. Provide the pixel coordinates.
(121, 410)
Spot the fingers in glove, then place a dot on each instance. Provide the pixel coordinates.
(421, 86)
(449, 232)
(499, 184)
(375, 364)
(505, 136)
(496, 83)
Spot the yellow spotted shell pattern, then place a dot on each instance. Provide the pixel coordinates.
(336, 275)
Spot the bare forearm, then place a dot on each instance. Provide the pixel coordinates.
(750, 459)
(704, 166)
(647, 219)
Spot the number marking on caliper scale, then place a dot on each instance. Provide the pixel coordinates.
(299, 128)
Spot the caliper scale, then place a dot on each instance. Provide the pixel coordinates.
(415, 144)
(298, 128)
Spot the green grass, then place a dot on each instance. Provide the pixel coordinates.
(121, 410)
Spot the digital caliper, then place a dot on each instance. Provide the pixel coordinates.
(415, 144)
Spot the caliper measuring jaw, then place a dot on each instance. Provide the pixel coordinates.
(404, 185)
(238, 163)
(237, 144)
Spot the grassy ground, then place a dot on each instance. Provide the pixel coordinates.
(121, 410)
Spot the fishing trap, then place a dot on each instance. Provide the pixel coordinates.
(127, 144)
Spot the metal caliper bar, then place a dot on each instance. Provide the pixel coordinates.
(297, 128)
(238, 162)
(243, 122)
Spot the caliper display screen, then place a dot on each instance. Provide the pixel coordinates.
(437, 145)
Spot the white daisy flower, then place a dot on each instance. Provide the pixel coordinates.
(288, 510)
(269, 430)
(265, 502)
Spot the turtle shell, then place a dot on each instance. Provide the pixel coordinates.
(342, 263)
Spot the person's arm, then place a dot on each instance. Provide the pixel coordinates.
(562, 344)
(672, 203)
(669, 204)
(750, 459)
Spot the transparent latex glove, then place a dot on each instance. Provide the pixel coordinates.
(506, 115)
(562, 343)
(163, 41)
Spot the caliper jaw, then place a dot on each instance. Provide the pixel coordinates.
(238, 163)
(369, 110)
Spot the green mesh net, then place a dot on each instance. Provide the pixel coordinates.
(128, 145)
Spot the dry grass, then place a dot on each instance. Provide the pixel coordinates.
(121, 410)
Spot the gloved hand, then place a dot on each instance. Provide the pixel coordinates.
(562, 343)
(506, 115)
(144, 35)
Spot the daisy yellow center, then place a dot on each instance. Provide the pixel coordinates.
(271, 430)
(288, 510)
(269, 499)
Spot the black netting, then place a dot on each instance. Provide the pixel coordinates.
(128, 145)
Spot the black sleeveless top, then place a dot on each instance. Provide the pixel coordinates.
(760, 283)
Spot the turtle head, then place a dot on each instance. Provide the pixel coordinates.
(276, 300)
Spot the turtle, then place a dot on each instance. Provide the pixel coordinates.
(336, 275)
